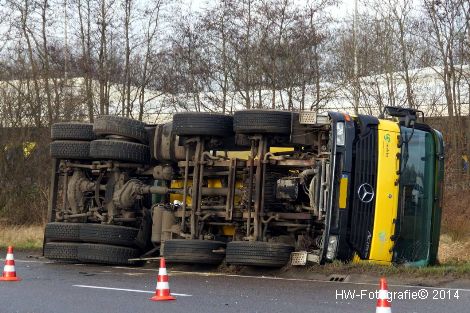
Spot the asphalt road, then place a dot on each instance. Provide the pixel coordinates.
(49, 287)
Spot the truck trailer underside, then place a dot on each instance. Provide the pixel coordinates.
(248, 189)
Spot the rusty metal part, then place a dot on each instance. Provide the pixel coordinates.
(291, 216)
(206, 216)
(266, 222)
(250, 188)
(115, 182)
(97, 165)
(263, 163)
(285, 215)
(157, 217)
(293, 162)
(214, 213)
(323, 188)
(269, 219)
(97, 189)
(163, 172)
(199, 192)
(216, 163)
(231, 190)
(222, 192)
(205, 191)
(185, 187)
(288, 224)
(208, 155)
(52, 206)
(216, 207)
(159, 190)
(64, 200)
(209, 173)
(72, 216)
(165, 145)
(128, 194)
(195, 187)
(259, 186)
(312, 194)
(77, 185)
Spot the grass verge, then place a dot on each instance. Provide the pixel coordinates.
(454, 270)
(454, 256)
(24, 237)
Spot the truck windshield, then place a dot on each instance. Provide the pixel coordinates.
(416, 197)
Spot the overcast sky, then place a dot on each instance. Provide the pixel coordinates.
(344, 8)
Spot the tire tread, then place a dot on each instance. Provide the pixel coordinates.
(70, 149)
(121, 126)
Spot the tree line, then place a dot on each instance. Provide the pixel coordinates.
(63, 60)
(66, 59)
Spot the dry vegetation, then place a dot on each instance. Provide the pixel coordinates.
(454, 251)
(21, 237)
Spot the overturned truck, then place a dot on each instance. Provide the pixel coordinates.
(257, 188)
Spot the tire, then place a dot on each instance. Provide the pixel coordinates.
(120, 151)
(108, 234)
(106, 254)
(193, 251)
(257, 253)
(202, 124)
(262, 122)
(64, 251)
(70, 150)
(72, 131)
(62, 231)
(121, 126)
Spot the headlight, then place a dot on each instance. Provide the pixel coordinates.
(332, 245)
(340, 134)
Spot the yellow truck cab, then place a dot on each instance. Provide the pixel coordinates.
(395, 198)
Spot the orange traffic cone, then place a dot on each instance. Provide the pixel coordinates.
(9, 273)
(163, 287)
(383, 301)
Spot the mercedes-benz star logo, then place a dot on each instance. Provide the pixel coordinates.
(365, 193)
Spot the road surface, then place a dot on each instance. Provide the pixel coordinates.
(49, 287)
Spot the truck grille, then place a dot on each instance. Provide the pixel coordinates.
(363, 203)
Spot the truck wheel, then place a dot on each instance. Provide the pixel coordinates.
(64, 251)
(202, 124)
(108, 234)
(70, 150)
(120, 151)
(193, 251)
(57, 231)
(262, 122)
(106, 254)
(72, 131)
(121, 126)
(257, 253)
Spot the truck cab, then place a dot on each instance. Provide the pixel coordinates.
(393, 211)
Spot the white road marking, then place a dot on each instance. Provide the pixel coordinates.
(129, 290)
(253, 277)
(206, 274)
